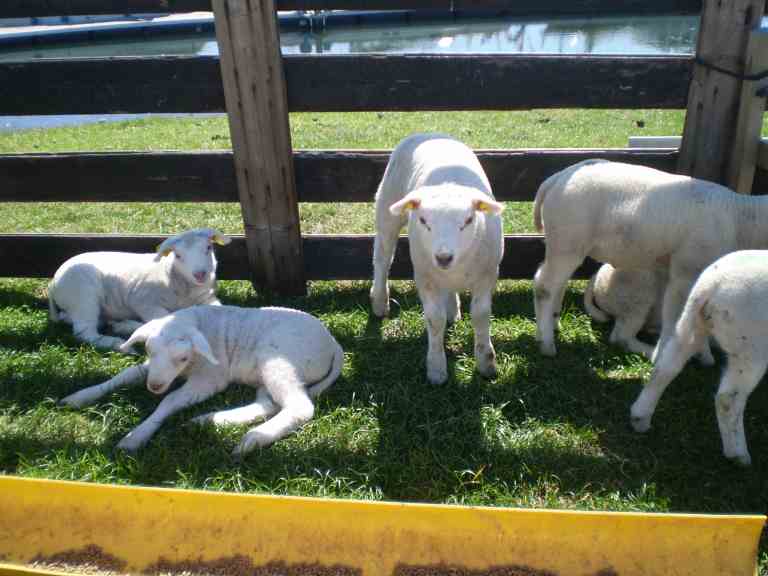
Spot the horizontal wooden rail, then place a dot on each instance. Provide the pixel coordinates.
(325, 257)
(321, 176)
(26, 8)
(371, 82)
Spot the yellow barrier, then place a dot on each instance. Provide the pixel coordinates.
(151, 529)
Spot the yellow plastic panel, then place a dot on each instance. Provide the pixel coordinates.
(141, 526)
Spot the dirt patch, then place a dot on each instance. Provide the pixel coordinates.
(90, 559)
(452, 570)
(243, 566)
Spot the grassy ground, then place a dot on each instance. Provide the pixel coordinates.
(551, 433)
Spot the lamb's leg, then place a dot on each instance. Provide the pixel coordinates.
(132, 375)
(675, 295)
(452, 307)
(549, 285)
(676, 352)
(625, 331)
(262, 408)
(435, 318)
(286, 389)
(85, 327)
(485, 355)
(125, 327)
(740, 378)
(387, 230)
(193, 392)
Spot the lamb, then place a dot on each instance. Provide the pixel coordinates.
(633, 298)
(635, 217)
(729, 302)
(436, 183)
(288, 355)
(125, 289)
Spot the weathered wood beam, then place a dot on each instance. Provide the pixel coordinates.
(37, 8)
(371, 82)
(255, 91)
(762, 155)
(321, 176)
(742, 161)
(713, 98)
(347, 257)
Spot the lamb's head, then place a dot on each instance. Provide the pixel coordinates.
(445, 219)
(193, 254)
(171, 346)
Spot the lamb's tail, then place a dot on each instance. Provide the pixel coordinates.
(589, 302)
(333, 373)
(540, 194)
(692, 319)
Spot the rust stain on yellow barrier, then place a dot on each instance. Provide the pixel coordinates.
(148, 528)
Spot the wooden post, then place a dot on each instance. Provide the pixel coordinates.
(255, 93)
(749, 125)
(713, 97)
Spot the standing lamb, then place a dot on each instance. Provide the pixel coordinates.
(288, 355)
(633, 298)
(729, 301)
(635, 217)
(121, 288)
(455, 236)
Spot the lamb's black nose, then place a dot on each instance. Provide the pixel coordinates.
(444, 260)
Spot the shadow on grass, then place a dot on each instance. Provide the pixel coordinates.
(546, 432)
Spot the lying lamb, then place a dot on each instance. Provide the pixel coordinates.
(121, 288)
(637, 218)
(729, 301)
(288, 355)
(455, 238)
(633, 298)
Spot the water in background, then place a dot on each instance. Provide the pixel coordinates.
(647, 35)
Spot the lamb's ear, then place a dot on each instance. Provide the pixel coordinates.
(219, 238)
(139, 335)
(410, 202)
(487, 205)
(166, 247)
(201, 346)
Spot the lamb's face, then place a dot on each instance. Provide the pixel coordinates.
(447, 228)
(446, 220)
(195, 259)
(172, 346)
(193, 254)
(168, 359)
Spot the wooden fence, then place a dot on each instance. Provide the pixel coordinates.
(311, 83)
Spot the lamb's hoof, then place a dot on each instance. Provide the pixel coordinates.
(489, 372)
(548, 349)
(129, 444)
(201, 420)
(252, 439)
(640, 424)
(705, 358)
(741, 459)
(437, 376)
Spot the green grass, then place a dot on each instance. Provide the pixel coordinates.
(545, 433)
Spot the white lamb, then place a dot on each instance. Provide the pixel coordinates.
(124, 289)
(729, 302)
(455, 236)
(288, 355)
(633, 298)
(635, 217)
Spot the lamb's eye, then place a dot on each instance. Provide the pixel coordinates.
(468, 221)
(424, 222)
(183, 359)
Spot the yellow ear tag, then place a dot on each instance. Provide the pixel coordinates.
(218, 239)
(164, 252)
(412, 204)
